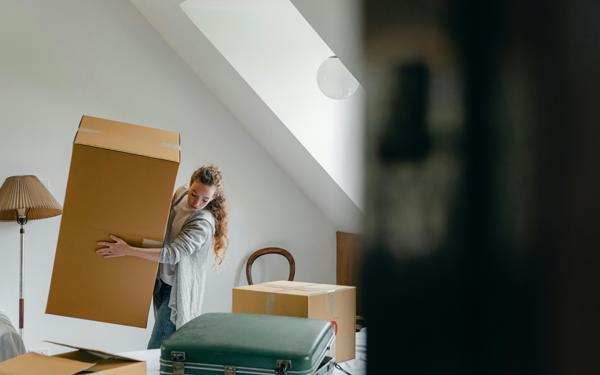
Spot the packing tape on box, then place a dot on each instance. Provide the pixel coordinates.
(331, 300)
(270, 303)
(303, 288)
(88, 130)
(317, 288)
(308, 288)
(284, 287)
(169, 145)
(331, 296)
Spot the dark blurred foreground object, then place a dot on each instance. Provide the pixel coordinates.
(513, 288)
(405, 137)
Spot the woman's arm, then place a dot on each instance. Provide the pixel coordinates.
(121, 248)
(193, 235)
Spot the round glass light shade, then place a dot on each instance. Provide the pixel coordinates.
(335, 80)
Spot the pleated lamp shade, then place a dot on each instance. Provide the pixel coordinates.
(26, 192)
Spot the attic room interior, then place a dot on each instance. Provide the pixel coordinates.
(294, 186)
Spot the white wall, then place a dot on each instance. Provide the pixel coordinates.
(62, 59)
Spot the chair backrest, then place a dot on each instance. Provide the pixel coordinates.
(270, 250)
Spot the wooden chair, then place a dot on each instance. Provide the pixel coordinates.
(270, 250)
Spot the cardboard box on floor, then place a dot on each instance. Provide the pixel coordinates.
(121, 182)
(309, 300)
(88, 361)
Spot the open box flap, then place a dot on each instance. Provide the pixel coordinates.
(34, 363)
(97, 353)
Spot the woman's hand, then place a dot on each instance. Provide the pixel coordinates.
(118, 248)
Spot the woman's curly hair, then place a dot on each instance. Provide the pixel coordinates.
(210, 175)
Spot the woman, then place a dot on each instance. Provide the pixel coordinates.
(197, 223)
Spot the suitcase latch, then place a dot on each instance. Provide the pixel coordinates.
(178, 356)
(282, 366)
(230, 370)
(178, 368)
(178, 359)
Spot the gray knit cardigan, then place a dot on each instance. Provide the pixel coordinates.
(190, 252)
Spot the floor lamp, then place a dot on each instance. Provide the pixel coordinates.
(24, 198)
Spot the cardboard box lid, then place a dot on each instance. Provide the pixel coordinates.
(295, 288)
(81, 360)
(124, 137)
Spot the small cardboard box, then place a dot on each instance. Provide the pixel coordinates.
(336, 303)
(80, 361)
(121, 182)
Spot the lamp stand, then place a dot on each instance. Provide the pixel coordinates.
(22, 219)
(25, 198)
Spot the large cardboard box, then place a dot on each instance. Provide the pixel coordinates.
(80, 361)
(336, 303)
(121, 182)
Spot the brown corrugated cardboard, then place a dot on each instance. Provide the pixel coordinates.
(88, 361)
(309, 300)
(121, 181)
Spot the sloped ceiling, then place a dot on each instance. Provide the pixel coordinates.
(339, 24)
(336, 187)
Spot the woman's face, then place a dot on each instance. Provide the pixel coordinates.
(200, 195)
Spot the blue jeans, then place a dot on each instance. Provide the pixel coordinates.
(163, 326)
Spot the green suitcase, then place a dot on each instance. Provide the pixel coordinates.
(231, 344)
